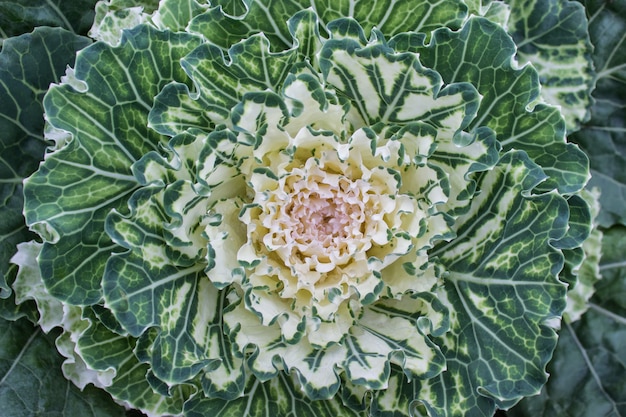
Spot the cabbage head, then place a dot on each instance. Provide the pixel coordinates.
(308, 208)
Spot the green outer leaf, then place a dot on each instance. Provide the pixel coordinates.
(502, 290)
(76, 186)
(24, 77)
(137, 292)
(31, 382)
(183, 304)
(587, 373)
(507, 93)
(553, 36)
(393, 16)
(270, 17)
(603, 137)
(21, 16)
(276, 397)
(103, 349)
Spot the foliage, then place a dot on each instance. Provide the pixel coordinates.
(311, 207)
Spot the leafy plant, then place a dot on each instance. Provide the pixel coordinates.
(310, 208)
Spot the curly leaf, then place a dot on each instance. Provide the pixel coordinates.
(502, 290)
(500, 273)
(387, 332)
(393, 16)
(28, 286)
(271, 17)
(76, 186)
(24, 77)
(143, 292)
(177, 109)
(277, 397)
(53, 313)
(95, 348)
(103, 350)
(31, 381)
(250, 66)
(507, 92)
(553, 36)
(161, 282)
(175, 15)
(113, 16)
(134, 288)
(590, 362)
(390, 87)
(380, 335)
(603, 137)
(586, 268)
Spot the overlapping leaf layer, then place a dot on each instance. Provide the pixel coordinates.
(455, 188)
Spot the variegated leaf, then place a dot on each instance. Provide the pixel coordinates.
(507, 94)
(69, 197)
(278, 397)
(503, 291)
(24, 77)
(553, 36)
(103, 350)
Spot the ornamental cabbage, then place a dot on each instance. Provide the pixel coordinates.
(306, 208)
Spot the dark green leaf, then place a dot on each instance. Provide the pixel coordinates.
(21, 16)
(604, 136)
(553, 36)
(502, 286)
(270, 17)
(28, 64)
(70, 195)
(32, 383)
(587, 373)
(508, 91)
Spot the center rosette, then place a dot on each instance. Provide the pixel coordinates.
(316, 231)
(318, 220)
(320, 229)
